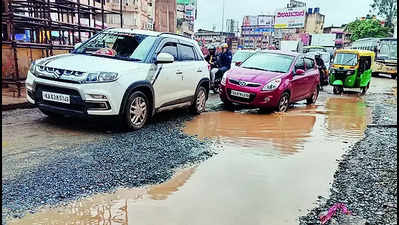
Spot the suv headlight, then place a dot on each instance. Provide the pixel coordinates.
(100, 77)
(350, 72)
(223, 81)
(272, 85)
(32, 68)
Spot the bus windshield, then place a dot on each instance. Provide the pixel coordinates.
(388, 50)
(346, 59)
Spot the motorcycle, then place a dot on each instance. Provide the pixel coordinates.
(214, 82)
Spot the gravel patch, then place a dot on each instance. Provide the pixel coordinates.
(366, 179)
(147, 156)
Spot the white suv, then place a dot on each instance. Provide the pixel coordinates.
(121, 72)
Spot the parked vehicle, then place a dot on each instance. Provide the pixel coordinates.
(351, 69)
(271, 79)
(386, 54)
(131, 74)
(240, 56)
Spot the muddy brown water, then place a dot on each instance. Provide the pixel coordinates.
(271, 170)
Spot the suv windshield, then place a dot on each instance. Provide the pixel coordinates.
(346, 59)
(269, 62)
(125, 46)
(241, 56)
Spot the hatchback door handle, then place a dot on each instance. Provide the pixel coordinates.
(179, 72)
(199, 70)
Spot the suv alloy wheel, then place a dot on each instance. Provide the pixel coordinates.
(199, 101)
(136, 111)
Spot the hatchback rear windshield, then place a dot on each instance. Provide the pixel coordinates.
(269, 62)
(346, 59)
(124, 46)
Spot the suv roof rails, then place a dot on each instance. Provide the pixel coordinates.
(174, 34)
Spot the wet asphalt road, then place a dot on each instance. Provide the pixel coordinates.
(46, 162)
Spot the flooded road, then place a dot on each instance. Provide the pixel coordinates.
(270, 171)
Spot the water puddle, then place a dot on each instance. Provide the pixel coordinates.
(272, 169)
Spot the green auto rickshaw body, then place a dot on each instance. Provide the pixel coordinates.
(352, 68)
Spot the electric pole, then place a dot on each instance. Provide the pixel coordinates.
(223, 16)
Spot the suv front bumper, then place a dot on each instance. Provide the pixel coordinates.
(95, 99)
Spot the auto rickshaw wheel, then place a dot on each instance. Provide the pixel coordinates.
(364, 89)
(338, 90)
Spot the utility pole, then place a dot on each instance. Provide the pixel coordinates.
(223, 16)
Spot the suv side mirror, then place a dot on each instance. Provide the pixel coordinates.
(77, 45)
(299, 72)
(165, 58)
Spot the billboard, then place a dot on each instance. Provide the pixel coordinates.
(250, 21)
(266, 21)
(290, 18)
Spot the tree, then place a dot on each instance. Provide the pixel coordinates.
(386, 9)
(367, 28)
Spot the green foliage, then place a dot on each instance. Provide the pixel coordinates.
(367, 28)
(386, 9)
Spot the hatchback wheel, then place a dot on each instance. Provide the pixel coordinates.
(199, 101)
(314, 96)
(283, 103)
(136, 112)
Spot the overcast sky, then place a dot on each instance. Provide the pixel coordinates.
(336, 12)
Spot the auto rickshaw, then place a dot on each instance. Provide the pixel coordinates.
(351, 69)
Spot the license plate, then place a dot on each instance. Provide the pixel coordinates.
(240, 94)
(55, 97)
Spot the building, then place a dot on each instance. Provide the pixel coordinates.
(342, 38)
(186, 15)
(257, 31)
(395, 28)
(207, 37)
(314, 21)
(290, 23)
(136, 14)
(232, 26)
(165, 16)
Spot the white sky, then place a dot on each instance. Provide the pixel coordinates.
(336, 12)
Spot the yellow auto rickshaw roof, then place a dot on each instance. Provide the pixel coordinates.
(356, 51)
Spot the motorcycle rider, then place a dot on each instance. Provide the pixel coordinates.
(322, 69)
(224, 60)
(211, 57)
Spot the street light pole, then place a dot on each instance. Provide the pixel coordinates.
(223, 16)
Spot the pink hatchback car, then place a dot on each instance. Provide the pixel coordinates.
(271, 79)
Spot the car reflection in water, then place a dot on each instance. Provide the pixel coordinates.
(115, 208)
(286, 132)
